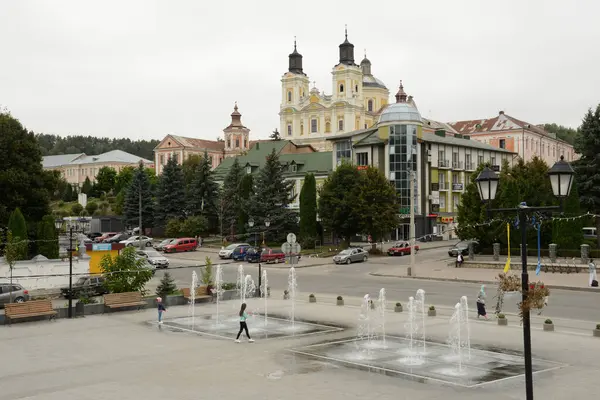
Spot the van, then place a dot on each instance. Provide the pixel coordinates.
(181, 244)
(589, 233)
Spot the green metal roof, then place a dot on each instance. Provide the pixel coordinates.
(454, 141)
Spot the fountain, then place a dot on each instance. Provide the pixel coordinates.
(465, 320)
(265, 294)
(249, 287)
(381, 307)
(218, 289)
(239, 284)
(192, 309)
(455, 339)
(420, 303)
(292, 288)
(411, 327)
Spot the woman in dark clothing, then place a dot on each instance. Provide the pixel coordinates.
(481, 303)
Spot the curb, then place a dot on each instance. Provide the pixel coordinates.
(426, 278)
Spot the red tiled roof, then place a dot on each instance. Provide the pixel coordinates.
(499, 123)
(200, 143)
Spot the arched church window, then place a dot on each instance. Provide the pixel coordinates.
(370, 105)
(341, 88)
(341, 125)
(237, 143)
(290, 95)
(302, 129)
(327, 127)
(356, 88)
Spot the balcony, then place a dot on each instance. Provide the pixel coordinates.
(443, 164)
(457, 186)
(457, 165)
(443, 186)
(470, 166)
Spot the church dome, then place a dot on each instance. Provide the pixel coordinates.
(400, 112)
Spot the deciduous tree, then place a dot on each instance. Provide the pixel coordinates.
(378, 204)
(125, 272)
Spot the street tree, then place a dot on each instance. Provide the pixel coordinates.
(23, 181)
(91, 207)
(125, 272)
(338, 201)
(167, 286)
(308, 212)
(12, 254)
(87, 186)
(587, 168)
(378, 204)
(203, 193)
(170, 194)
(271, 198)
(18, 228)
(246, 193)
(47, 237)
(190, 166)
(123, 179)
(106, 179)
(77, 209)
(275, 135)
(139, 193)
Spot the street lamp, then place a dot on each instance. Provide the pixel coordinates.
(561, 179)
(267, 224)
(251, 224)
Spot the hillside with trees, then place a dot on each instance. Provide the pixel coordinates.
(562, 132)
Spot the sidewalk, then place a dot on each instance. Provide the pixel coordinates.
(441, 271)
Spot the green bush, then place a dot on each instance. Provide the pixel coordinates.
(501, 316)
(76, 209)
(229, 286)
(548, 321)
(431, 308)
(340, 298)
(398, 304)
(597, 326)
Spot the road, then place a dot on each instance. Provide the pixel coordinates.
(355, 280)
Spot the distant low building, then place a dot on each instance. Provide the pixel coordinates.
(75, 168)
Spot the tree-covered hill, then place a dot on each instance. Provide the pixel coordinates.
(90, 145)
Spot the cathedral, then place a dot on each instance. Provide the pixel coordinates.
(309, 116)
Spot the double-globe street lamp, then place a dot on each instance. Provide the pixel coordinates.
(267, 224)
(561, 179)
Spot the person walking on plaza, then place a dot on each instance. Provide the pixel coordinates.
(459, 260)
(593, 277)
(161, 309)
(481, 303)
(243, 325)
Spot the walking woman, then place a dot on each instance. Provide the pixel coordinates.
(481, 303)
(243, 325)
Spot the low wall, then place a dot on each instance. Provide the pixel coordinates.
(43, 273)
(517, 266)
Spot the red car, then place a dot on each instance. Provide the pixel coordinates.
(181, 244)
(401, 248)
(272, 256)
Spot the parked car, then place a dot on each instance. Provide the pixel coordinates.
(181, 244)
(161, 245)
(94, 285)
(463, 248)
(253, 254)
(94, 235)
(108, 235)
(154, 258)
(118, 238)
(138, 241)
(351, 255)
(227, 252)
(401, 248)
(272, 256)
(239, 253)
(18, 293)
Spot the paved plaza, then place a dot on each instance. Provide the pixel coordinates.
(126, 355)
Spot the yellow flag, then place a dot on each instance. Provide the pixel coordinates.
(507, 265)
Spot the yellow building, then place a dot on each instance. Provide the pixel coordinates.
(309, 116)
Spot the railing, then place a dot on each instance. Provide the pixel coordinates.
(443, 164)
(457, 164)
(457, 186)
(443, 186)
(470, 166)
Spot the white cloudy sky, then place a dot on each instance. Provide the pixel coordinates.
(144, 68)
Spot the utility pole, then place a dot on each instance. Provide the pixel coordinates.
(71, 272)
(140, 216)
(411, 269)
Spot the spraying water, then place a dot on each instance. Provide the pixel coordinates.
(218, 289)
(249, 287)
(292, 288)
(381, 306)
(411, 326)
(263, 291)
(465, 320)
(420, 303)
(239, 284)
(365, 326)
(455, 334)
(192, 309)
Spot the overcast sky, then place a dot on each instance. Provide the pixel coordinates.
(143, 68)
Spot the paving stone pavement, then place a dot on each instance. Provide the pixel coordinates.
(122, 356)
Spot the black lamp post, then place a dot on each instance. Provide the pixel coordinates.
(251, 224)
(267, 224)
(561, 179)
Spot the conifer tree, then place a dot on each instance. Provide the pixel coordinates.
(18, 228)
(231, 199)
(139, 190)
(170, 194)
(308, 211)
(203, 192)
(47, 238)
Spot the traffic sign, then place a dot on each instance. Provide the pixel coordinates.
(291, 238)
(293, 248)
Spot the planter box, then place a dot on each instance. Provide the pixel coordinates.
(597, 332)
(432, 313)
(398, 309)
(549, 327)
(312, 299)
(502, 321)
(340, 302)
(228, 294)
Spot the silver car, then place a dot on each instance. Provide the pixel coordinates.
(19, 294)
(351, 255)
(154, 258)
(143, 241)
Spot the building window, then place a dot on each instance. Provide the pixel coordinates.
(237, 143)
(370, 105)
(289, 96)
(248, 169)
(343, 150)
(228, 143)
(362, 158)
(527, 143)
(175, 157)
(293, 168)
(356, 88)
(327, 127)
(468, 161)
(245, 143)
(313, 125)
(493, 161)
(365, 126)
(402, 162)
(341, 88)
(442, 201)
(341, 125)
(289, 129)
(455, 202)
(502, 143)
(301, 129)
(479, 160)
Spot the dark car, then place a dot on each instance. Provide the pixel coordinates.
(94, 285)
(118, 238)
(253, 254)
(94, 235)
(463, 248)
(239, 253)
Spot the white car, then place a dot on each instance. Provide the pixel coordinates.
(154, 258)
(143, 241)
(227, 252)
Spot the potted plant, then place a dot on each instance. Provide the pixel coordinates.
(431, 312)
(312, 298)
(597, 331)
(340, 301)
(548, 325)
(398, 307)
(207, 275)
(286, 294)
(85, 297)
(502, 319)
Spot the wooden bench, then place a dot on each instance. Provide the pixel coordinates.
(121, 300)
(36, 308)
(201, 293)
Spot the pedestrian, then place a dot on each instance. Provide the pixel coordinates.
(243, 325)
(593, 277)
(459, 260)
(481, 303)
(161, 309)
